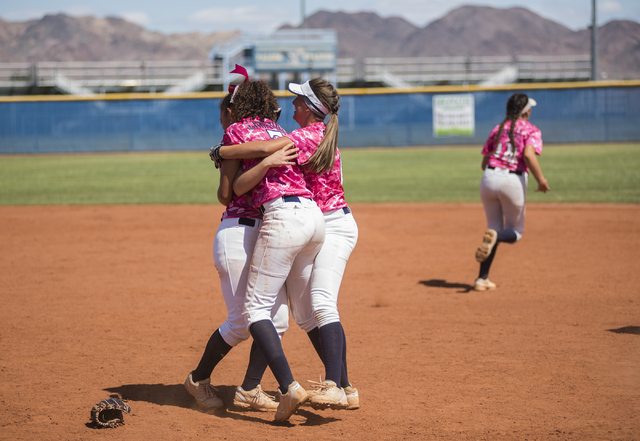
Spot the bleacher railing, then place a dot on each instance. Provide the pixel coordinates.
(151, 76)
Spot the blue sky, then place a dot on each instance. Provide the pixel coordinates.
(251, 16)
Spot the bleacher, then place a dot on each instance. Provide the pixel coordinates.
(86, 78)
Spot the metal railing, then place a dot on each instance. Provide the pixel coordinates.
(158, 76)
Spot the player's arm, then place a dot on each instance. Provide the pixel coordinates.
(531, 159)
(245, 181)
(254, 149)
(485, 162)
(228, 171)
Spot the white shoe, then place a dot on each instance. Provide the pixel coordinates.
(204, 393)
(489, 240)
(328, 395)
(483, 284)
(291, 401)
(255, 399)
(353, 399)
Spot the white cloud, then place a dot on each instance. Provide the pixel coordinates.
(609, 6)
(247, 18)
(139, 18)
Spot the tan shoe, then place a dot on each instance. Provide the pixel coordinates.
(327, 395)
(483, 285)
(353, 399)
(255, 399)
(488, 242)
(204, 393)
(291, 401)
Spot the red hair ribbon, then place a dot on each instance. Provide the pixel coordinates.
(238, 70)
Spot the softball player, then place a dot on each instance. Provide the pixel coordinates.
(232, 250)
(510, 153)
(318, 152)
(290, 237)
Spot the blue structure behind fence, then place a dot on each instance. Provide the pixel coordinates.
(566, 113)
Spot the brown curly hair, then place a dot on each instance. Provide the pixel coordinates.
(254, 99)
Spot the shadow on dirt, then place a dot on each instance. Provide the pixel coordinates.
(635, 330)
(438, 283)
(176, 395)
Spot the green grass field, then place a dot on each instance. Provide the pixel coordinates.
(577, 173)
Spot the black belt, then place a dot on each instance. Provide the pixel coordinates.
(515, 172)
(247, 221)
(346, 210)
(284, 199)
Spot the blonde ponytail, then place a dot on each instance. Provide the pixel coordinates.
(324, 157)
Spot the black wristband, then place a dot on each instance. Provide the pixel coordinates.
(215, 153)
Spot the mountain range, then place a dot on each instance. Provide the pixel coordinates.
(465, 31)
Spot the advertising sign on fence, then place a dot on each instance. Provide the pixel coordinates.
(453, 115)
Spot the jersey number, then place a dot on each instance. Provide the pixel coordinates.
(273, 134)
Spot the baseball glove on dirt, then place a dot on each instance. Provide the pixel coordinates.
(109, 412)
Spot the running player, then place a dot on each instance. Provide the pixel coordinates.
(510, 153)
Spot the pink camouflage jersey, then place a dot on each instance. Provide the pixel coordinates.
(502, 152)
(279, 181)
(327, 186)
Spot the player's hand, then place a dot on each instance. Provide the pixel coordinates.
(285, 156)
(543, 186)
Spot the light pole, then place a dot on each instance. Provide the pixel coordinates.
(594, 43)
(304, 14)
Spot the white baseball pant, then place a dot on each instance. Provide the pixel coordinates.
(232, 251)
(290, 237)
(504, 197)
(341, 235)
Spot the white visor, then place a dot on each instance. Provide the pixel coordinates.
(529, 105)
(304, 90)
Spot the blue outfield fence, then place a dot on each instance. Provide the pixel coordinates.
(566, 113)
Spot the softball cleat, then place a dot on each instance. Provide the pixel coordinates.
(488, 242)
(291, 401)
(255, 399)
(483, 285)
(353, 399)
(204, 393)
(328, 395)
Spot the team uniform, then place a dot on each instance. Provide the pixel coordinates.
(290, 237)
(232, 251)
(341, 230)
(233, 248)
(341, 235)
(503, 188)
(290, 226)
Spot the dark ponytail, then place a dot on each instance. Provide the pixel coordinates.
(515, 105)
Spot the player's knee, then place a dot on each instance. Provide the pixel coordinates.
(325, 316)
(235, 334)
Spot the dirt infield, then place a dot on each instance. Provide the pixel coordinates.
(122, 299)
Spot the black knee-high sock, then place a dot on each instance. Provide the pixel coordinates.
(344, 381)
(215, 351)
(332, 342)
(508, 236)
(486, 265)
(255, 370)
(314, 336)
(266, 337)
